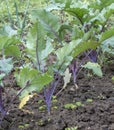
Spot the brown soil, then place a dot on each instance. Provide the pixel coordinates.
(95, 115)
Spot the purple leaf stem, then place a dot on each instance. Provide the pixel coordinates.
(49, 93)
(74, 70)
(92, 55)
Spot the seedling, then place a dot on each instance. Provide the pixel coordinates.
(41, 122)
(79, 104)
(42, 108)
(73, 106)
(71, 128)
(24, 126)
(89, 100)
(54, 99)
(54, 107)
(40, 102)
(70, 106)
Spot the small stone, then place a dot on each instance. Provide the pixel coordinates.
(111, 127)
(104, 127)
(112, 112)
(111, 118)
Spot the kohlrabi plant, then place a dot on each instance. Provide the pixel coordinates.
(50, 56)
(44, 43)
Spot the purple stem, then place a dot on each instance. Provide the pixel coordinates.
(49, 93)
(74, 71)
(92, 55)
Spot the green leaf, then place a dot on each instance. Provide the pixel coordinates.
(33, 80)
(109, 11)
(66, 50)
(77, 32)
(87, 35)
(7, 41)
(49, 49)
(101, 4)
(6, 65)
(25, 75)
(63, 29)
(99, 18)
(95, 67)
(60, 1)
(69, 51)
(108, 45)
(80, 13)
(83, 46)
(47, 19)
(37, 32)
(7, 31)
(32, 37)
(39, 83)
(40, 35)
(107, 34)
(12, 51)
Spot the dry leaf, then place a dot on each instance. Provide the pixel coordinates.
(24, 100)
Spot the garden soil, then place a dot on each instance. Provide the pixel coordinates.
(96, 111)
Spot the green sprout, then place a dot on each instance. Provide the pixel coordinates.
(41, 122)
(55, 107)
(42, 108)
(40, 102)
(23, 126)
(73, 106)
(79, 104)
(54, 101)
(112, 77)
(70, 106)
(54, 97)
(89, 100)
